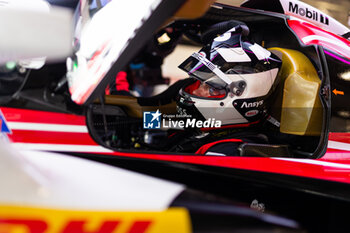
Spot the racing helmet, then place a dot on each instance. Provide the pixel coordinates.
(233, 79)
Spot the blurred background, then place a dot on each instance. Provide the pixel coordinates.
(338, 9)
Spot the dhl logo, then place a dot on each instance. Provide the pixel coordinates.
(36, 220)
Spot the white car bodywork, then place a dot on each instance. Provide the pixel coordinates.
(32, 178)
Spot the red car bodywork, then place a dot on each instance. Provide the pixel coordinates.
(68, 133)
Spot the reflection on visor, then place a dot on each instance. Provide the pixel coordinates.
(204, 91)
(204, 70)
(207, 91)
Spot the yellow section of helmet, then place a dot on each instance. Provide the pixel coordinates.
(301, 111)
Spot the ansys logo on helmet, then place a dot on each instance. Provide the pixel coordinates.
(152, 120)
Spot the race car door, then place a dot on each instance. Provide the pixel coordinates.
(110, 32)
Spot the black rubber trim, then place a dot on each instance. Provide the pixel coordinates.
(346, 35)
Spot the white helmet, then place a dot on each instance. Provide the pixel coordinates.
(232, 80)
